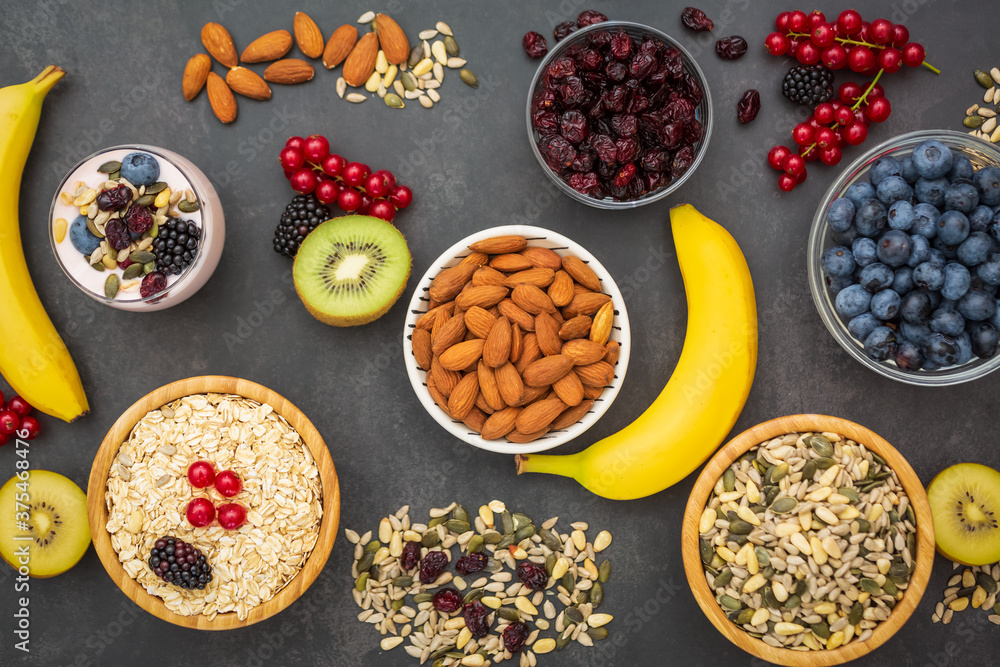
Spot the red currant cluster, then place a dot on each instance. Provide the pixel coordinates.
(16, 420)
(200, 511)
(310, 167)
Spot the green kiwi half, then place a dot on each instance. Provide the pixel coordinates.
(351, 270)
(965, 502)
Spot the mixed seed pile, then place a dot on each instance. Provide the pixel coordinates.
(482, 614)
(983, 119)
(420, 76)
(975, 587)
(808, 541)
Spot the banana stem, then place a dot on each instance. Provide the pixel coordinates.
(544, 463)
(48, 78)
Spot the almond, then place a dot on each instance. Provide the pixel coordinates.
(524, 438)
(532, 299)
(515, 314)
(421, 339)
(195, 75)
(308, 36)
(248, 83)
(547, 332)
(500, 423)
(221, 98)
(603, 320)
(436, 394)
(360, 61)
(577, 327)
(288, 71)
(586, 303)
(339, 45)
(488, 387)
(569, 388)
(572, 415)
(547, 370)
(447, 284)
(542, 258)
(427, 320)
(538, 416)
(268, 47)
(509, 384)
(475, 419)
(462, 355)
(598, 374)
(392, 39)
(539, 277)
(479, 322)
(496, 351)
(516, 343)
(499, 245)
(444, 379)
(592, 393)
(480, 258)
(535, 394)
(450, 333)
(583, 351)
(581, 273)
(463, 396)
(219, 43)
(484, 296)
(488, 276)
(510, 263)
(530, 352)
(561, 289)
(612, 351)
(483, 406)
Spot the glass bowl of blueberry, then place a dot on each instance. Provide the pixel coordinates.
(619, 115)
(904, 258)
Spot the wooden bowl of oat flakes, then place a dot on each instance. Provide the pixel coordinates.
(808, 540)
(138, 493)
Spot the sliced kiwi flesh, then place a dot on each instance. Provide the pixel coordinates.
(54, 521)
(351, 270)
(965, 503)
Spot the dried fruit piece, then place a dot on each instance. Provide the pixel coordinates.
(432, 565)
(219, 43)
(476, 617)
(695, 19)
(195, 75)
(731, 48)
(267, 47)
(748, 106)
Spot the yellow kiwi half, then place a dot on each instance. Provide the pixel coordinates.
(965, 502)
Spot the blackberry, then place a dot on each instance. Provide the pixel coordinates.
(301, 216)
(176, 245)
(180, 564)
(808, 84)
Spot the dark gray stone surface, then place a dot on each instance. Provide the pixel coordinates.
(125, 62)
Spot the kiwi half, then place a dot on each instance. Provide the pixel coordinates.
(351, 270)
(56, 523)
(965, 502)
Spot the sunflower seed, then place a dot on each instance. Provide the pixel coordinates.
(367, 17)
(355, 98)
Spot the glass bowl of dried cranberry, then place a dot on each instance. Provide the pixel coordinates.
(619, 115)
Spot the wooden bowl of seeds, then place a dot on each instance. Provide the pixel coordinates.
(138, 492)
(808, 540)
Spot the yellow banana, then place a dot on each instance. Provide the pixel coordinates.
(33, 358)
(706, 393)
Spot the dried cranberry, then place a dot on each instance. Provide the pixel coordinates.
(616, 71)
(561, 68)
(582, 161)
(615, 99)
(692, 131)
(572, 92)
(545, 122)
(114, 198)
(595, 80)
(534, 45)
(411, 555)
(695, 19)
(545, 99)
(673, 63)
(625, 175)
(693, 88)
(471, 563)
(584, 183)
(125, 263)
(621, 45)
(638, 103)
(559, 153)
(432, 566)
(600, 38)
(642, 65)
(590, 17)
(625, 125)
(139, 219)
(476, 619)
(748, 106)
(679, 109)
(533, 575)
(671, 134)
(117, 234)
(605, 147)
(573, 126)
(447, 600)
(153, 283)
(626, 149)
(731, 48)
(514, 636)
(683, 159)
(655, 159)
(589, 59)
(564, 29)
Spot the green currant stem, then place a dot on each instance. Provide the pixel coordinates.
(854, 42)
(857, 105)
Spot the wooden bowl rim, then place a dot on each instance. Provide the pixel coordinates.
(98, 513)
(693, 569)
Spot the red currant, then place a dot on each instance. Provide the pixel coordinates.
(366, 204)
(823, 35)
(878, 109)
(401, 197)
(781, 22)
(786, 183)
(327, 191)
(228, 483)
(827, 138)
(798, 21)
(355, 174)
(200, 512)
(855, 133)
(389, 178)
(776, 157)
(816, 17)
(834, 57)
(881, 31)
(201, 474)
(382, 208)
(863, 34)
(913, 55)
(794, 164)
(803, 134)
(19, 405)
(232, 516)
(349, 200)
(860, 58)
(844, 116)
(304, 181)
(823, 113)
(809, 154)
(31, 427)
(802, 177)
(776, 44)
(291, 159)
(849, 92)
(377, 185)
(793, 46)
(295, 142)
(808, 53)
(890, 59)
(333, 165)
(316, 148)
(876, 91)
(9, 422)
(830, 156)
(849, 22)
(900, 35)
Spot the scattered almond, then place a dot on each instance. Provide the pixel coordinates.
(268, 47)
(219, 43)
(339, 45)
(360, 62)
(221, 98)
(289, 71)
(248, 83)
(307, 35)
(392, 39)
(195, 75)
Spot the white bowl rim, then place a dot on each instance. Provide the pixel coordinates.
(620, 332)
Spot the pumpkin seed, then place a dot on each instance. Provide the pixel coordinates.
(769, 599)
(864, 526)
(983, 78)
(430, 539)
(871, 586)
(492, 538)
(402, 581)
(596, 594)
(109, 167)
(111, 286)
(763, 557)
(476, 544)
(416, 55)
(361, 582)
(142, 257)
(568, 582)
(507, 523)
(148, 268)
(987, 582)
(392, 100)
(772, 493)
(451, 46)
(523, 534)
(707, 552)
(549, 540)
(597, 634)
(744, 616)
(471, 596)
(821, 630)
(729, 479)
(146, 200)
(823, 463)
(132, 271)
(550, 563)
(504, 542)
(468, 78)
(97, 267)
(188, 206)
(573, 614)
(460, 513)
(92, 226)
(849, 493)
(604, 572)
(809, 470)
(409, 81)
(562, 641)
(740, 527)
(793, 601)
(890, 588)
(820, 444)
(457, 526)
(857, 611)
(784, 505)
(520, 521)
(973, 121)
(155, 188)
(776, 473)
(441, 652)
(730, 603)
(508, 614)
(724, 578)
(367, 560)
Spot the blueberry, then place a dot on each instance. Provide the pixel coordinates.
(961, 197)
(81, 237)
(864, 251)
(875, 277)
(949, 252)
(907, 170)
(883, 168)
(885, 305)
(931, 190)
(915, 307)
(908, 356)
(932, 159)
(841, 214)
(894, 248)
(920, 252)
(979, 218)
(964, 343)
(844, 238)
(901, 216)
(852, 301)
(859, 192)
(870, 218)
(881, 344)
(837, 283)
(995, 320)
(977, 305)
(947, 321)
(987, 181)
(837, 261)
(975, 249)
(956, 281)
(989, 271)
(862, 325)
(952, 227)
(916, 333)
(935, 256)
(894, 189)
(140, 169)
(936, 299)
(928, 276)
(985, 339)
(961, 167)
(940, 349)
(993, 229)
(925, 217)
(902, 280)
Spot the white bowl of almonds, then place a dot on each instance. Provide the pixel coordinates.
(516, 339)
